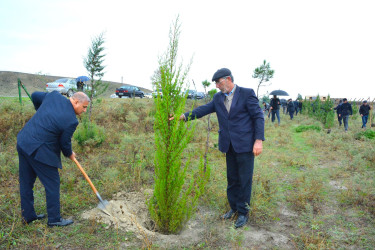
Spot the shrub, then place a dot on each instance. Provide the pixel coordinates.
(88, 133)
(369, 134)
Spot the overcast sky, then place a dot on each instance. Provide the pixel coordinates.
(315, 47)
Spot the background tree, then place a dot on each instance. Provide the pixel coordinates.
(264, 73)
(94, 66)
(173, 200)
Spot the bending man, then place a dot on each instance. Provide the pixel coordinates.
(39, 146)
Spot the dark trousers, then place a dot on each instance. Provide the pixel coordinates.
(240, 167)
(291, 113)
(339, 118)
(49, 176)
(345, 119)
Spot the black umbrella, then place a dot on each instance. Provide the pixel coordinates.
(279, 93)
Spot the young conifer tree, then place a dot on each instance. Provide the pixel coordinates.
(175, 196)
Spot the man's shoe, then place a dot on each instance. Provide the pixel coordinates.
(61, 223)
(241, 221)
(38, 217)
(228, 215)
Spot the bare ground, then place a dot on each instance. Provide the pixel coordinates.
(128, 212)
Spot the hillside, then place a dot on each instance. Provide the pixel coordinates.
(35, 82)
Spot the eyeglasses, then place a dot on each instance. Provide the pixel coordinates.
(221, 80)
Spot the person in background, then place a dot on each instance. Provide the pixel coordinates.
(338, 111)
(275, 107)
(364, 111)
(39, 146)
(241, 136)
(300, 104)
(296, 106)
(283, 105)
(266, 107)
(290, 108)
(345, 111)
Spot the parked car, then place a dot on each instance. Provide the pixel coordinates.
(192, 94)
(65, 86)
(129, 91)
(157, 92)
(148, 95)
(200, 95)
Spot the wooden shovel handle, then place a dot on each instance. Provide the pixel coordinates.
(85, 175)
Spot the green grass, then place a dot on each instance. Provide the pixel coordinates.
(295, 172)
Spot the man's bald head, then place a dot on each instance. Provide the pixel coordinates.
(80, 101)
(81, 97)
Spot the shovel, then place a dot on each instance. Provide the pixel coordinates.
(102, 203)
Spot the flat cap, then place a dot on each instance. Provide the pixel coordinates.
(222, 73)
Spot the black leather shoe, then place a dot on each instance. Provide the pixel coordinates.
(61, 223)
(228, 215)
(38, 217)
(241, 220)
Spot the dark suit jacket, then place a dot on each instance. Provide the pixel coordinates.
(242, 126)
(49, 131)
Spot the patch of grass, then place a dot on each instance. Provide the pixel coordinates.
(303, 128)
(369, 134)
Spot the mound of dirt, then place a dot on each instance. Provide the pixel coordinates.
(127, 211)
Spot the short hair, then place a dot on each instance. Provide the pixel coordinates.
(81, 97)
(344, 99)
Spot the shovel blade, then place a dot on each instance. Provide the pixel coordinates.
(103, 206)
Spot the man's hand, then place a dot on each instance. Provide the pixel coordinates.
(182, 117)
(258, 147)
(72, 156)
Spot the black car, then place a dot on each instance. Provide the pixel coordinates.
(129, 91)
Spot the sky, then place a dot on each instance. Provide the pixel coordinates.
(315, 47)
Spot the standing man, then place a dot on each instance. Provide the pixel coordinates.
(345, 111)
(300, 106)
(275, 105)
(338, 111)
(295, 103)
(241, 137)
(364, 111)
(291, 108)
(39, 146)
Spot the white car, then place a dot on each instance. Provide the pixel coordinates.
(66, 86)
(148, 95)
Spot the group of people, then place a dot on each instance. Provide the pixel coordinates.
(49, 132)
(344, 110)
(291, 107)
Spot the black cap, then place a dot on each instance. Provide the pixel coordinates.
(364, 101)
(222, 73)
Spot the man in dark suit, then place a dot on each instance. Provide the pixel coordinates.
(241, 136)
(39, 146)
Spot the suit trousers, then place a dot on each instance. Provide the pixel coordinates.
(49, 176)
(240, 167)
